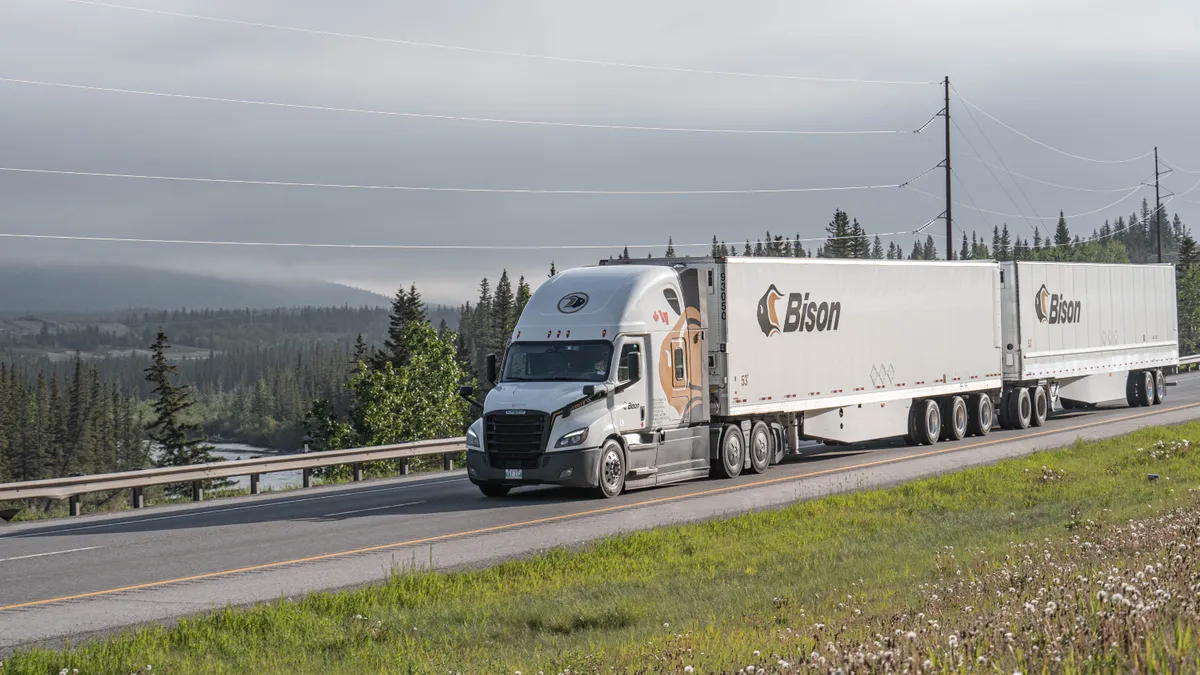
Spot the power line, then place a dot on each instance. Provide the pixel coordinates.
(497, 52)
(1034, 140)
(1003, 189)
(458, 118)
(412, 188)
(419, 247)
(1038, 180)
(1043, 218)
(1180, 169)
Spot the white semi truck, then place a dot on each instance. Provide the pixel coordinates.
(642, 373)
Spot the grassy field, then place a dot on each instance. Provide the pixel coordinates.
(1066, 561)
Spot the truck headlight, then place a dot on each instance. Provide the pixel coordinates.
(472, 439)
(572, 439)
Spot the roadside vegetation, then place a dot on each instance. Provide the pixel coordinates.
(1077, 560)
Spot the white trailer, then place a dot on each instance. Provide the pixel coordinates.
(845, 348)
(1079, 334)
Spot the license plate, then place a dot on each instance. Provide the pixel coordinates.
(513, 474)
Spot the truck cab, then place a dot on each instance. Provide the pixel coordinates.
(602, 386)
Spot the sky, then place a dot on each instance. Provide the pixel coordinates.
(1098, 79)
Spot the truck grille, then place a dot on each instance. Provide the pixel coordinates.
(515, 441)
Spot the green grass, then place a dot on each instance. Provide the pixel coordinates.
(709, 595)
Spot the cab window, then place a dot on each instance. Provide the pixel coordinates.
(623, 363)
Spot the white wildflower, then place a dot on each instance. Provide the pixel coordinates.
(757, 653)
(953, 640)
(911, 635)
(928, 663)
(689, 669)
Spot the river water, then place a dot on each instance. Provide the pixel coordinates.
(267, 481)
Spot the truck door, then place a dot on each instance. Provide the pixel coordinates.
(629, 402)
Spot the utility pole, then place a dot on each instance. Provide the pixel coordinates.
(1157, 208)
(949, 218)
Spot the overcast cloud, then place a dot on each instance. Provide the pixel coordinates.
(1099, 78)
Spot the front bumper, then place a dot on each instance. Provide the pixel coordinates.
(573, 468)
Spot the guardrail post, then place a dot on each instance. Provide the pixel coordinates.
(197, 491)
(357, 472)
(253, 483)
(138, 500)
(306, 479)
(448, 461)
(404, 466)
(75, 507)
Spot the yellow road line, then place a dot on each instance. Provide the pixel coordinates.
(592, 512)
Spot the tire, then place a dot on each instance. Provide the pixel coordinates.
(491, 490)
(1002, 412)
(1020, 409)
(928, 422)
(1040, 408)
(1146, 388)
(611, 476)
(760, 447)
(1132, 397)
(981, 413)
(731, 454)
(1160, 387)
(955, 419)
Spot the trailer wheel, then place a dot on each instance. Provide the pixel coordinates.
(760, 447)
(1132, 397)
(954, 419)
(732, 452)
(1020, 409)
(927, 422)
(1160, 387)
(980, 422)
(1041, 406)
(1146, 388)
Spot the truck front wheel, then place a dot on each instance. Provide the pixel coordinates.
(612, 470)
(732, 453)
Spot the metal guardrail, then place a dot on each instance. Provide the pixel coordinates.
(73, 487)
(1189, 362)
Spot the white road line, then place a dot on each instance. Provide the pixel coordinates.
(42, 555)
(375, 508)
(202, 512)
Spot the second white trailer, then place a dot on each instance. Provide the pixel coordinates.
(1079, 334)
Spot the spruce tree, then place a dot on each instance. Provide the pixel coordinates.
(524, 293)
(553, 271)
(930, 250)
(1004, 248)
(177, 437)
(840, 236)
(670, 253)
(877, 249)
(1037, 239)
(964, 253)
(747, 252)
(1062, 236)
(1187, 252)
(503, 314)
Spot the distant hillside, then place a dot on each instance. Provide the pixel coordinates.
(26, 287)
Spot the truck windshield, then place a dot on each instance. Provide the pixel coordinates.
(558, 362)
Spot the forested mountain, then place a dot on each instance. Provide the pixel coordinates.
(47, 288)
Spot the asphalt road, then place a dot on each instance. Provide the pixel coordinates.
(99, 573)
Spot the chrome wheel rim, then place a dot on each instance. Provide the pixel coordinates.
(1160, 386)
(733, 454)
(960, 418)
(1150, 384)
(1025, 408)
(986, 414)
(932, 422)
(760, 448)
(611, 470)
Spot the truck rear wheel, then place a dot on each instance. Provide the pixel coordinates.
(927, 423)
(732, 453)
(980, 422)
(760, 447)
(954, 419)
(1146, 388)
(1160, 387)
(1041, 406)
(1020, 409)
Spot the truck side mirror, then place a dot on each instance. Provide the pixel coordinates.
(466, 391)
(589, 390)
(635, 367)
(491, 368)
